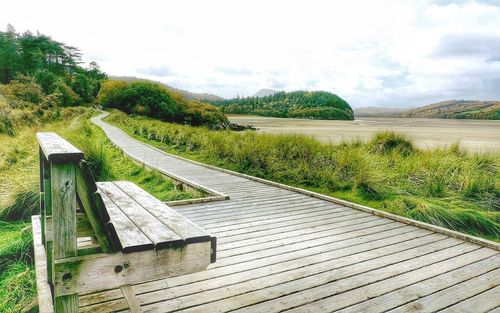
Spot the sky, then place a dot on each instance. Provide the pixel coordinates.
(371, 53)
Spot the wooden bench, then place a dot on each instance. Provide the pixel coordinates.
(106, 235)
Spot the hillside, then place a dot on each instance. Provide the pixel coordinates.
(459, 109)
(188, 94)
(378, 112)
(299, 104)
(265, 92)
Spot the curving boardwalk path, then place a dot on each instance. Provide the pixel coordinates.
(281, 250)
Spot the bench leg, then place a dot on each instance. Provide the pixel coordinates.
(129, 294)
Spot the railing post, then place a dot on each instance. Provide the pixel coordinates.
(46, 211)
(58, 162)
(63, 188)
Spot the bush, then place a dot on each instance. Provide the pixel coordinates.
(24, 91)
(154, 100)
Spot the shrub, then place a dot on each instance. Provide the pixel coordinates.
(155, 100)
(24, 91)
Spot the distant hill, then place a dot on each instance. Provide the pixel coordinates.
(378, 112)
(189, 95)
(300, 104)
(265, 92)
(458, 109)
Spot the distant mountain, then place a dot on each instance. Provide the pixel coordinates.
(320, 105)
(378, 112)
(189, 95)
(265, 92)
(458, 109)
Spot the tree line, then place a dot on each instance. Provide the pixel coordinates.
(299, 104)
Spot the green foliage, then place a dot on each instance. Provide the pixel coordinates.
(444, 186)
(155, 100)
(17, 277)
(54, 66)
(299, 104)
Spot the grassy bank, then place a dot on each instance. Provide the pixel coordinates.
(19, 193)
(447, 186)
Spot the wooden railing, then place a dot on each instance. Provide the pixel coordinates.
(58, 164)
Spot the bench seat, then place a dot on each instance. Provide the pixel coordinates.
(139, 221)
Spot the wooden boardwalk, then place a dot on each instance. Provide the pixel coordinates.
(281, 250)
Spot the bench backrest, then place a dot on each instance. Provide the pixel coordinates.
(56, 152)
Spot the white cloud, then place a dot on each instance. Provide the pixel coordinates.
(369, 52)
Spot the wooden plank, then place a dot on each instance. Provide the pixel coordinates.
(423, 288)
(156, 231)
(232, 218)
(346, 222)
(454, 294)
(284, 227)
(283, 283)
(83, 228)
(483, 302)
(45, 304)
(97, 216)
(47, 204)
(63, 210)
(396, 277)
(263, 262)
(180, 225)
(133, 304)
(126, 236)
(312, 212)
(106, 271)
(64, 243)
(56, 149)
(312, 241)
(243, 281)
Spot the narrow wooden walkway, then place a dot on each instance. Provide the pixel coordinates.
(280, 250)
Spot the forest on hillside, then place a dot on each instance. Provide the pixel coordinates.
(299, 104)
(458, 109)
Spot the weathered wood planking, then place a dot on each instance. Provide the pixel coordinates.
(64, 219)
(184, 228)
(159, 234)
(363, 263)
(126, 236)
(56, 149)
(97, 214)
(45, 303)
(107, 271)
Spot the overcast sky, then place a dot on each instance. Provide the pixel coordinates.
(371, 53)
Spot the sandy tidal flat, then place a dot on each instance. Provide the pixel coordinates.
(474, 135)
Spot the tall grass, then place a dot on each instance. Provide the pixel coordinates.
(17, 277)
(444, 186)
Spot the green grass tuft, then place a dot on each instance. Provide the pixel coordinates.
(390, 142)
